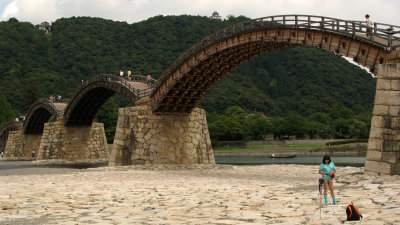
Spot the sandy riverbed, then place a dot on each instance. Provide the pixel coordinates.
(192, 194)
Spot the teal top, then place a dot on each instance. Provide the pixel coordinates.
(327, 168)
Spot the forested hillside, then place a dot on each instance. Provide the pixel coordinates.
(304, 80)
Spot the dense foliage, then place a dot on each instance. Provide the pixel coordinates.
(236, 124)
(301, 80)
(6, 113)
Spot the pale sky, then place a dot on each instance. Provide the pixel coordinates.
(37, 11)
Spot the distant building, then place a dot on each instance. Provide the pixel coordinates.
(215, 16)
(44, 26)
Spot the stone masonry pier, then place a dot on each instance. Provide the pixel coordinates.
(22, 146)
(60, 143)
(146, 138)
(73, 143)
(383, 154)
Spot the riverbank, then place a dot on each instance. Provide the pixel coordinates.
(194, 194)
(354, 149)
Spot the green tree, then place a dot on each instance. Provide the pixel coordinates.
(6, 113)
(358, 129)
(236, 113)
(108, 115)
(278, 127)
(233, 129)
(255, 126)
(295, 125)
(31, 92)
(340, 111)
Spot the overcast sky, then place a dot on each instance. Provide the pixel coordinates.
(36, 11)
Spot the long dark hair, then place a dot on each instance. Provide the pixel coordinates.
(325, 158)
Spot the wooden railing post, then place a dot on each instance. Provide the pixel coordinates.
(322, 23)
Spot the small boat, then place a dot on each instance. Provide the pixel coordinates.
(287, 156)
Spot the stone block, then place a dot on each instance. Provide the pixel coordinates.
(376, 133)
(140, 151)
(395, 85)
(383, 84)
(394, 111)
(195, 141)
(396, 168)
(390, 157)
(147, 136)
(374, 144)
(153, 156)
(390, 145)
(378, 167)
(387, 97)
(373, 155)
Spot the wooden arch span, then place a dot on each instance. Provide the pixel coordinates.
(93, 93)
(39, 113)
(183, 84)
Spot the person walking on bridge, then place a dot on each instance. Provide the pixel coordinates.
(327, 169)
(129, 74)
(369, 24)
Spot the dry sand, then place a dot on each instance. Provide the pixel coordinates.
(191, 194)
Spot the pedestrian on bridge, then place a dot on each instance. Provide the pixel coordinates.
(369, 24)
(121, 73)
(129, 74)
(148, 80)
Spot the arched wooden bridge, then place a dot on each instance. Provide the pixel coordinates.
(40, 112)
(183, 84)
(93, 93)
(144, 138)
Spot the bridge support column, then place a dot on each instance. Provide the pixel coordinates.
(383, 154)
(22, 146)
(76, 144)
(145, 138)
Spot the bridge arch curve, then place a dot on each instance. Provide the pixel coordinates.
(39, 113)
(93, 93)
(183, 84)
(5, 130)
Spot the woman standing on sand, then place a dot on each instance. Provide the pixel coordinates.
(327, 169)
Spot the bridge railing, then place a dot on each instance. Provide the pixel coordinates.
(16, 124)
(111, 78)
(140, 93)
(143, 79)
(384, 35)
(48, 102)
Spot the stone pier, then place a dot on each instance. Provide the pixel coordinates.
(22, 146)
(383, 154)
(145, 138)
(78, 144)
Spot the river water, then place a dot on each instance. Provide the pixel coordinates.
(356, 161)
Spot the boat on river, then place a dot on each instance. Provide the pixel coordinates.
(282, 156)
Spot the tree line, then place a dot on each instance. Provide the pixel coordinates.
(236, 124)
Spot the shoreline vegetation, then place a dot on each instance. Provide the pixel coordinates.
(299, 147)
